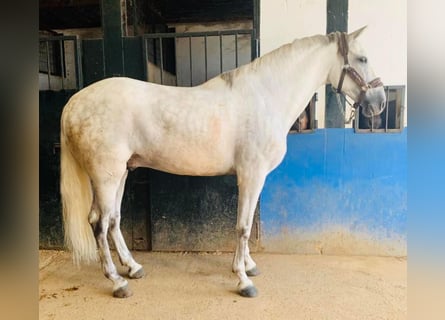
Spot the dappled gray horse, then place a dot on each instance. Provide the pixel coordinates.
(235, 123)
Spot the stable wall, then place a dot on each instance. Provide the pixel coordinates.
(198, 70)
(385, 39)
(337, 191)
(282, 21)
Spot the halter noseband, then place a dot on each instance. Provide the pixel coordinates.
(355, 76)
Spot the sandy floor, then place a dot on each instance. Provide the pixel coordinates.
(202, 286)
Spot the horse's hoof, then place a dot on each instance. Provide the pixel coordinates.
(122, 292)
(138, 274)
(253, 272)
(249, 292)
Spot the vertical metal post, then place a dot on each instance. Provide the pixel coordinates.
(62, 62)
(205, 56)
(256, 30)
(176, 59)
(145, 57)
(78, 64)
(191, 63)
(236, 50)
(162, 60)
(220, 54)
(48, 66)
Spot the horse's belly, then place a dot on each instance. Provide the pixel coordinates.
(190, 162)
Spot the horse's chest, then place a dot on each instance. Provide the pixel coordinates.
(266, 149)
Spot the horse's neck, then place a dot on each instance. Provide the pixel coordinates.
(288, 77)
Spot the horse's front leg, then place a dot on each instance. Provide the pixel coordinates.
(249, 186)
(251, 267)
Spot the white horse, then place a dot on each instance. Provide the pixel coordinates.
(235, 123)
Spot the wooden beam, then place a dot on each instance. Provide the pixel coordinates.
(66, 3)
(112, 29)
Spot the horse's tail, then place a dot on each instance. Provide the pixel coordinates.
(77, 197)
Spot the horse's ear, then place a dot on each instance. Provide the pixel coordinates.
(354, 35)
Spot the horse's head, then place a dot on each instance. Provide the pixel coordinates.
(355, 76)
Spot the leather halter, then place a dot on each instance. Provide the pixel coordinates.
(343, 47)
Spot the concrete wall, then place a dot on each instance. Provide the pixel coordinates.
(282, 21)
(338, 192)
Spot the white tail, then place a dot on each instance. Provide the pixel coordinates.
(77, 197)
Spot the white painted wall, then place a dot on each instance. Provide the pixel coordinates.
(385, 38)
(281, 21)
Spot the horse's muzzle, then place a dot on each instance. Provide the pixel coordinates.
(374, 102)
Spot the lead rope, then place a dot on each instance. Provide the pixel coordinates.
(339, 104)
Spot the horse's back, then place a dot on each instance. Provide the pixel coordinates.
(179, 130)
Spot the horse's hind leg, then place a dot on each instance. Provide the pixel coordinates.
(104, 206)
(135, 269)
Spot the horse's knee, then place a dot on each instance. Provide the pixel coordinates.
(243, 232)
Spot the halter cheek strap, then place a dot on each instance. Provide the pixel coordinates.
(343, 48)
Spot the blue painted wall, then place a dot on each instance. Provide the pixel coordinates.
(338, 191)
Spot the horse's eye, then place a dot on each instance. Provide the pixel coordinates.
(363, 59)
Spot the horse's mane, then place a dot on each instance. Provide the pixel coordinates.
(297, 48)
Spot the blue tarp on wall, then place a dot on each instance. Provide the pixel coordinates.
(338, 182)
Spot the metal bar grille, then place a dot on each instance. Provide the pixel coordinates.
(59, 65)
(197, 34)
(196, 59)
(306, 122)
(391, 120)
